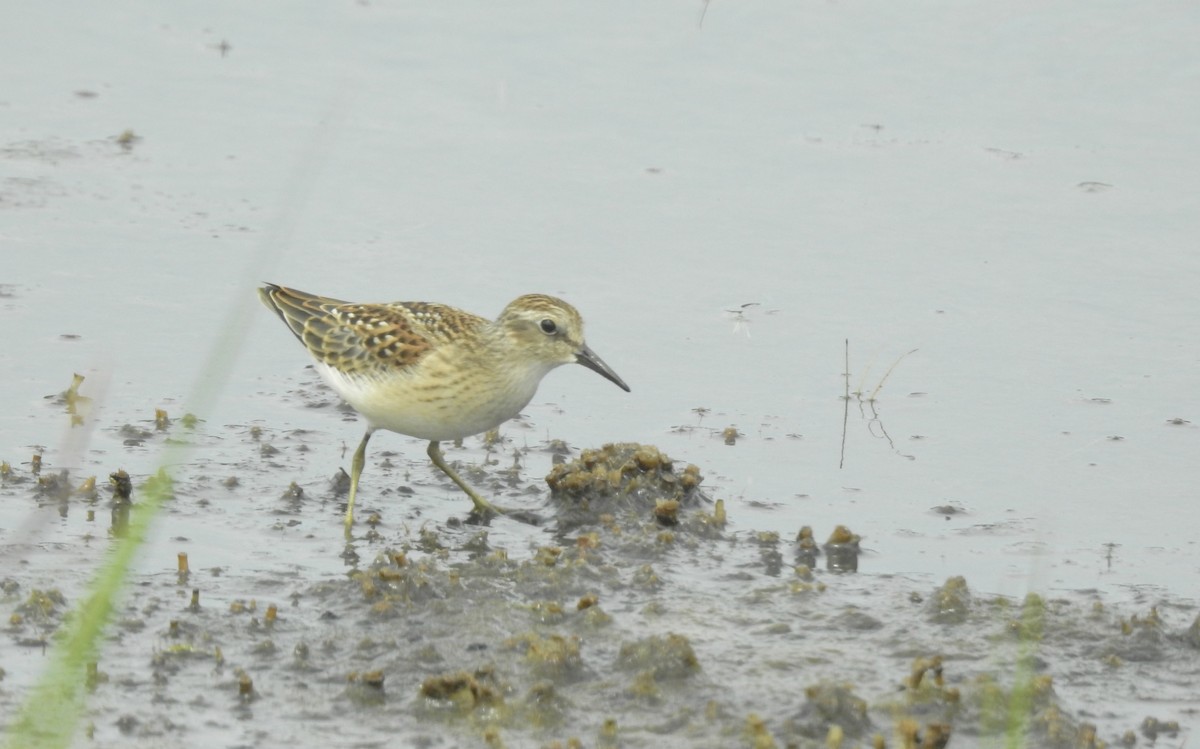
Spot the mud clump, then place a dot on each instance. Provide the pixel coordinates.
(664, 658)
(827, 706)
(657, 661)
(624, 477)
(42, 609)
(552, 657)
(841, 550)
(951, 603)
(463, 691)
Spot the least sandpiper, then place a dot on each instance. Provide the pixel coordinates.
(432, 371)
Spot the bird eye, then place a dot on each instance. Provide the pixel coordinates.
(548, 327)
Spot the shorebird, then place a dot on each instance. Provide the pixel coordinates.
(433, 371)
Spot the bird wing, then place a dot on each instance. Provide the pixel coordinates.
(366, 339)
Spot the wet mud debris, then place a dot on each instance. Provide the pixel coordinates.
(622, 478)
(642, 616)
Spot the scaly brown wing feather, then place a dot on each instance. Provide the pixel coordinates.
(366, 339)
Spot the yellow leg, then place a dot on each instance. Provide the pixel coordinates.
(356, 468)
(482, 506)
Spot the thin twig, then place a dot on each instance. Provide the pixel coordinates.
(845, 406)
(889, 373)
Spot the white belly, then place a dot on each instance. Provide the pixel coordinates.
(437, 409)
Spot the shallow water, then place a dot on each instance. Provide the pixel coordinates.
(733, 201)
